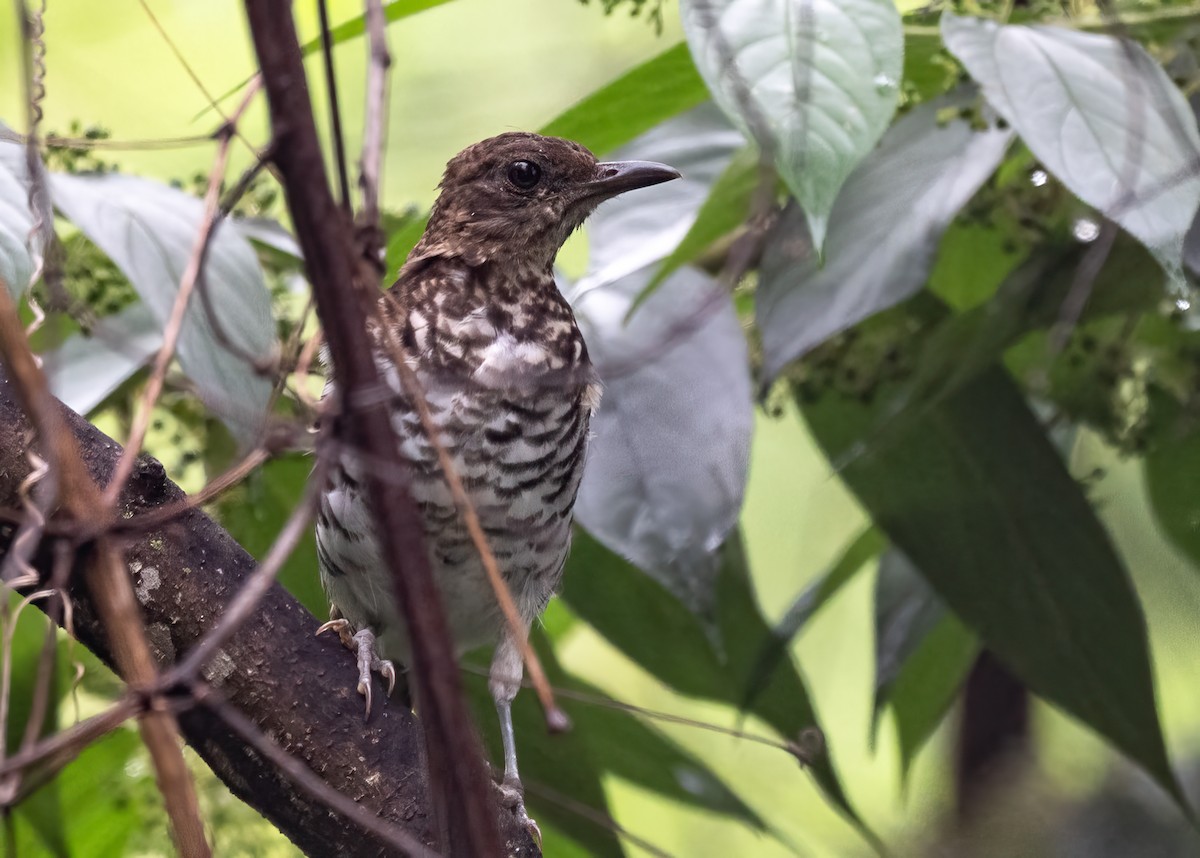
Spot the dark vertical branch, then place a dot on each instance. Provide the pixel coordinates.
(993, 730)
(345, 295)
(335, 112)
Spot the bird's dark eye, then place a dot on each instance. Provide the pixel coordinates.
(524, 174)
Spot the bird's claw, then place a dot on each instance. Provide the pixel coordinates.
(342, 627)
(512, 796)
(362, 644)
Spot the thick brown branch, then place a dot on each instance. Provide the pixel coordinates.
(296, 688)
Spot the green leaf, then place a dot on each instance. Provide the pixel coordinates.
(922, 655)
(1107, 121)
(664, 481)
(661, 87)
(976, 495)
(883, 233)
(17, 262)
(255, 512)
(401, 243)
(813, 82)
(651, 627)
(1171, 469)
(357, 26)
(42, 809)
(864, 548)
(148, 229)
(928, 684)
(723, 212)
(347, 30)
(84, 370)
(268, 233)
(105, 803)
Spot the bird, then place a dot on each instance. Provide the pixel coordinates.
(505, 371)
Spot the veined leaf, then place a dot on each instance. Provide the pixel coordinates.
(148, 230)
(84, 370)
(883, 233)
(865, 547)
(17, 256)
(1106, 120)
(723, 211)
(651, 627)
(976, 495)
(664, 480)
(813, 82)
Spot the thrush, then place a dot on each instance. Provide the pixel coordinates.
(506, 375)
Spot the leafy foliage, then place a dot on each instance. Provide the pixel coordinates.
(979, 235)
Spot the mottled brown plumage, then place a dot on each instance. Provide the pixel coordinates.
(506, 374)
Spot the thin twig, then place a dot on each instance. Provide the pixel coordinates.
(57, 612)
(107, 580)
(335, 113)
(556, 720)
(379, 60)
(174, 326)
(597, 817)
(230, 121)
(606, 702)
(65, 745)
(38, 493)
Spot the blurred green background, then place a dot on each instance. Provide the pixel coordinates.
(474, 68)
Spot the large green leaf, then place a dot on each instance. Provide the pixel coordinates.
(864, 548)
(664, 480)
(43, 808)
(1171, 470)
(883, 232)
(976, 495)
(1106, 120)
(84, 370)
(723, 212)
(105, 803)
(17, 256)
(658, 89)
(651, 627)
(813, 82)
(148, 229)
(922, 655)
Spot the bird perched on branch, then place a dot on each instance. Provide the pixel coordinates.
(477, 316)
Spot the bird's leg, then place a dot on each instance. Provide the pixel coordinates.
(362, 644)
(504, 679)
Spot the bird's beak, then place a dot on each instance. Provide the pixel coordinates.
(617, 177)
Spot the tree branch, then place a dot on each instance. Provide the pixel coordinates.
(298, 689)
(346, 293)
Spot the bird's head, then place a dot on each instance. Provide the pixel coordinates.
(520, 195)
